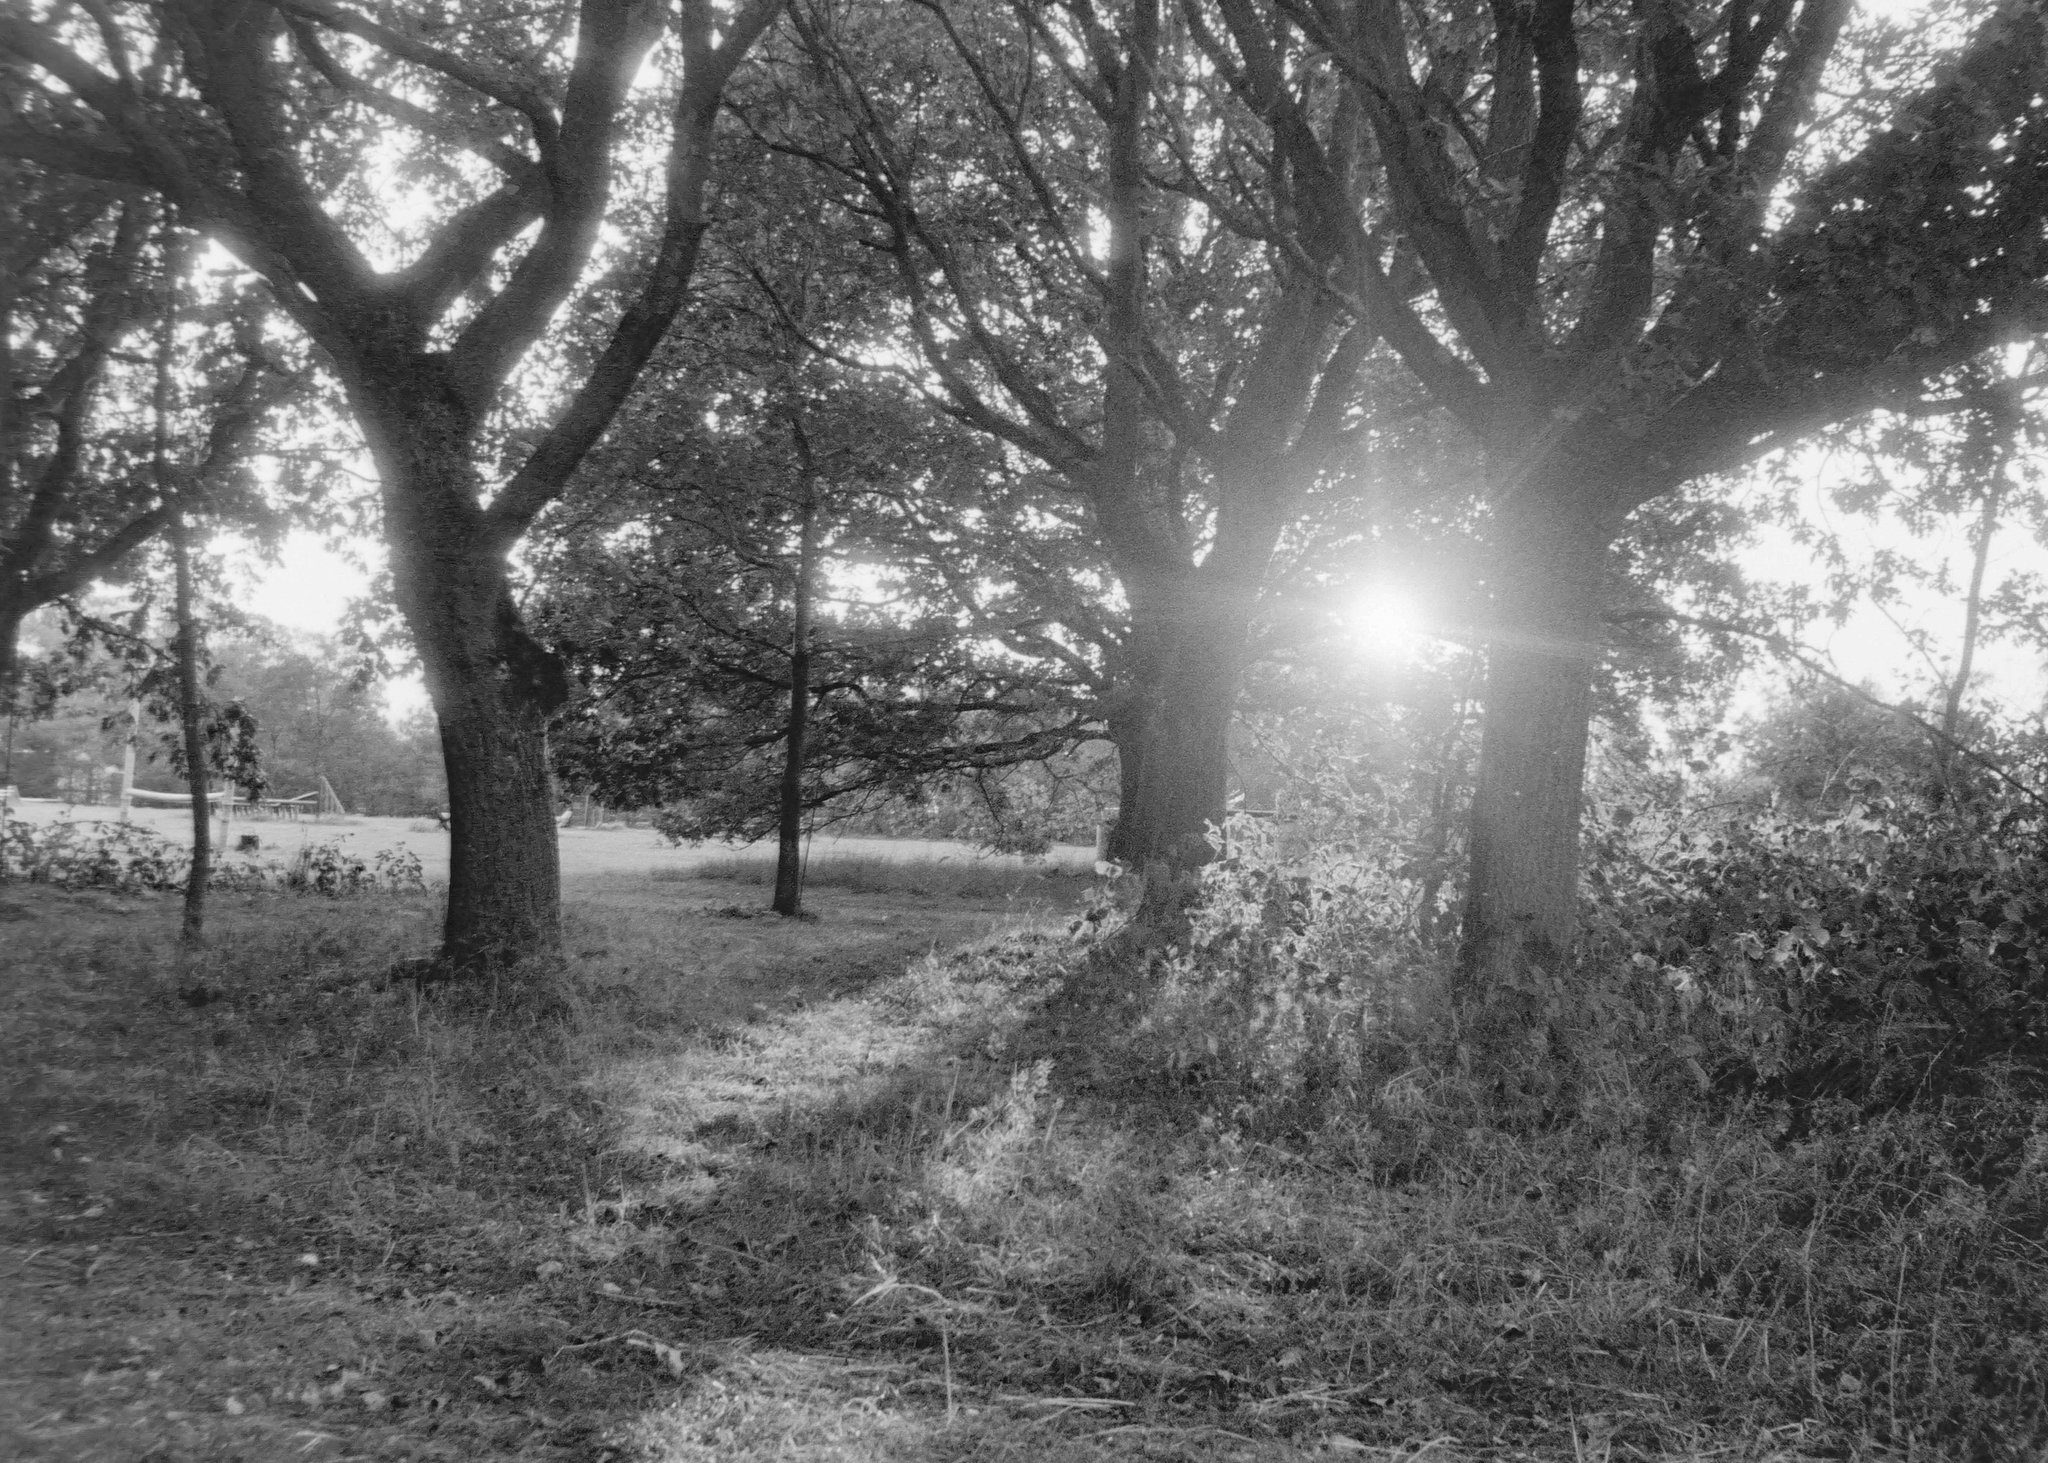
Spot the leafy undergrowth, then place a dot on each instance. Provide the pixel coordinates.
(744, 1204)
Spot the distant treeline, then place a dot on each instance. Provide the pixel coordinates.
(314, 715)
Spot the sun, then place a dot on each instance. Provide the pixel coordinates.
(1387, 622)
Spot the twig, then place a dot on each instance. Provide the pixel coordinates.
(643, 1300)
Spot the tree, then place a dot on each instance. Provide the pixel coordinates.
(751, 648)
(248, 119)
(319, 714)
(1113, 242)
(85, 278)
(1628, 251)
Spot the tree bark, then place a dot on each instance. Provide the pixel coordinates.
(1521, 897)
(190, 717)
(493, 687)
(789, 869)
(1172, 730)
(10, 657)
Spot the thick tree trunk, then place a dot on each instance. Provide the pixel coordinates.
(493, 688)
(789, 869)
(1172, 734)
(191, 716)
(1521, 900)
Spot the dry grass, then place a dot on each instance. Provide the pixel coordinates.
(768, 1193)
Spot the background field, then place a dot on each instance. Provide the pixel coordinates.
(588, 854)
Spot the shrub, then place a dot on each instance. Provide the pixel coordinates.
(1302, 984)
(119, 856)
(129, 858)
(1889, 956)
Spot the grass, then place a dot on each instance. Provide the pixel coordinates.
(888, 1186)
(913, 876)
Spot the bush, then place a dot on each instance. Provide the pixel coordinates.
(1889, 956)
(119, 856)
(1302, 984)
(131, 859)
(327, 868)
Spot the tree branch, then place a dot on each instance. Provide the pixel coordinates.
(646, 320)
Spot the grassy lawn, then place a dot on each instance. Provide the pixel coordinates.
(920, 1178)
(592, 858)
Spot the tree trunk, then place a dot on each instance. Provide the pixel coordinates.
(191, 715)
(10, 659)
(789, 870)
(1172, 735)
(1521, 895)
(1973, 620)
(493, 687)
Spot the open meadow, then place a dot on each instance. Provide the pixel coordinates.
(589, 855)
(926, 1176)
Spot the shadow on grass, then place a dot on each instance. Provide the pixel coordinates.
(767, 1194)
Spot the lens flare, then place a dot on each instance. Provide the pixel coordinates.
(1388, 623)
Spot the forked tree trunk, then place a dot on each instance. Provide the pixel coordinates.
(1521, 901)
(493, 688)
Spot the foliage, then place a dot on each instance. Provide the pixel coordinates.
(318, 713)
(1887, 955)
(327, 868)
(93, 856)
(291, 706)
(1023, 809)
(90, 273)
(128, 858)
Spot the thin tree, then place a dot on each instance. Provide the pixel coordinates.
(789, 869)
(185, 642)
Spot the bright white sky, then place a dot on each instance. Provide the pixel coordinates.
(309, 588)
(1874, 648)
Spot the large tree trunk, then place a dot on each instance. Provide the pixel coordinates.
(1172, 735)
(493, 688)
(1521, 900)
